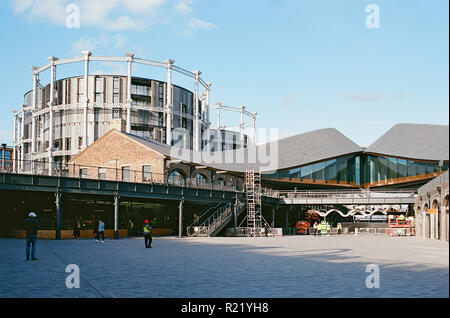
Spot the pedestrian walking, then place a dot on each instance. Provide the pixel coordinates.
(101, 231)
(77, 229)
(148, 234)
(31, 228)
(130, 228)
(315, 228)
(319, 229)
(266, 229)
(339, 228)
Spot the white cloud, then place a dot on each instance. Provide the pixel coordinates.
(139, 6)
(19, 6)
(99, 42)
(198, 24)
(40, 10)
(183, 8)
(112, 15)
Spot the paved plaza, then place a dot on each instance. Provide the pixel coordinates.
(288, 267)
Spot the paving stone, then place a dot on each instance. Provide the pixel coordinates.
(291, 267)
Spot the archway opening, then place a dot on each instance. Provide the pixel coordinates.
(177, 178)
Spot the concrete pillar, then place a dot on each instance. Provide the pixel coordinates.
(58, 215)
(218, 107)
(86, 55)
(432, 226)
(254, 128)
(180, 219)
(424, 224)
(34, 105)
(206, 110)
(197, 126)
(51, 104)
(130, 57)
(241, 126)
(22, 144)
(116, 216)
(169, 102)
(443, 220)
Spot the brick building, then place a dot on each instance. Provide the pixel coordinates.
(125, 157)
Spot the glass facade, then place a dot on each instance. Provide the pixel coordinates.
(339, 170)
(383, 169)
(360, 170)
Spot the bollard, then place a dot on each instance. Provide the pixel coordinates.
(356, 231)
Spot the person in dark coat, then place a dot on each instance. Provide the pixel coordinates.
(77, 229)
(31, 228)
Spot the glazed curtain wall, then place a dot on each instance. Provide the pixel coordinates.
(379, 169)
(339, 170)
(360, 170)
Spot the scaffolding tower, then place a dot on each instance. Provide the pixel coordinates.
(254, 207)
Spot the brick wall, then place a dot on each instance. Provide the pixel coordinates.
(113, 147)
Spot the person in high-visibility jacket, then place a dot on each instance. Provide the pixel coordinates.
(148, 234)
(328, 228)
(339, 228)
(324, 228)
(315, 228)
(319, 228)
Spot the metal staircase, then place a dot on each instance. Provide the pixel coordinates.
(222, 215)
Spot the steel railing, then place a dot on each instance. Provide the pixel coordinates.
(213, 222)
(346, 194)
(121, 174)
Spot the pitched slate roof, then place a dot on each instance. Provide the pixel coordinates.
(414, 141)
(286, 153)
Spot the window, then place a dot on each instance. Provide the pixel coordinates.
(83, 173)
(147, 173)
(80, 142)
(57, 144)
(102, 173)
(176, 178)
(80, 90)
(200, 179)
(116, 90)
(126, 174)
(67, 144)
(220, 182)
(99, 90)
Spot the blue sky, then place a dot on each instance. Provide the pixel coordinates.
(302, 65)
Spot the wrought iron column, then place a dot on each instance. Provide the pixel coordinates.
(180, 219)
(58, 215)
(116, 216)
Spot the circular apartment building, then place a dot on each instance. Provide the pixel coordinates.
(60, 119)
